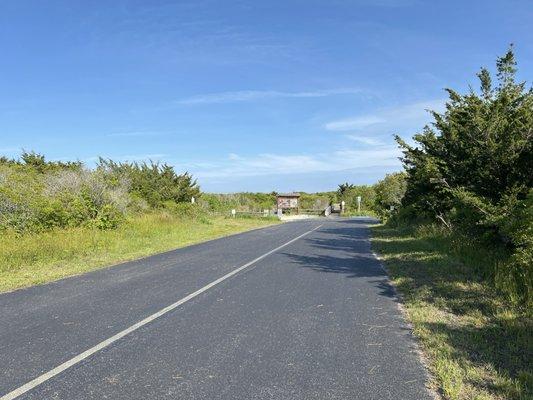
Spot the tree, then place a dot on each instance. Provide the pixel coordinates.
(154, 182)
(474, 162)
(343, 188)
(390, 192)
(472, 169)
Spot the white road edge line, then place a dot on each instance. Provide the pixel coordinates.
(87, 353)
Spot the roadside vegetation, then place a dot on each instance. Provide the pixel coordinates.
(458, 241)
(478, 343)
(60, 218)
(36, 258)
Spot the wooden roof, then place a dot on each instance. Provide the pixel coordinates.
(288, 195)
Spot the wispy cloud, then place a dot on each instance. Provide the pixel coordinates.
(413, 114)
(254, 95)
(369, 141)
(370, 149)
(233, 156)
(377, 128)
(287, 164)
(354, 123)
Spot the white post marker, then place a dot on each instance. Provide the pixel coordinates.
(233, 212)
(358, 203)
(193, 199)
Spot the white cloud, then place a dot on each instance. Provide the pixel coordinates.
(370, 149)
(287, 164)
(369, 141)
(412, 115)
(354, 123)
(253, 95)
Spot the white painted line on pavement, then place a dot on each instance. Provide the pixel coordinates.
(87, 353)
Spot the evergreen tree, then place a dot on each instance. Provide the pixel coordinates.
(475, 162)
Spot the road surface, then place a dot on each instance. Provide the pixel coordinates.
(301, 310)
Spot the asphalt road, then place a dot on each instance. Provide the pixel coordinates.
(303, 311)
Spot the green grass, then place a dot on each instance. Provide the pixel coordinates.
(38, 258)
(477, 343)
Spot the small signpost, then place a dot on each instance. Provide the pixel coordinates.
(359, 204)
(287, 201)
(233, 212)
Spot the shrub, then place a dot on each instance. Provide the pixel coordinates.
(516, 276)
(349, 193)
(108, 217)
(36, 194)
(154, 182)
(389, 194)
(238, 201)
(15, 215)
(472, 171)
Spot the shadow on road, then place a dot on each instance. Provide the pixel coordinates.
(344, 249)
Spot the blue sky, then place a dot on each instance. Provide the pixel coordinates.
(246, 95)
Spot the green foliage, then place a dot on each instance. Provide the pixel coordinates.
(258, 202)
(154, 182)
(315, 201)
(516, 276)
(38, 195)
(389, 194)
(239, 201)
(349, 193)
(344, 188)
(38, 163)
(108, 217)
(472, 169)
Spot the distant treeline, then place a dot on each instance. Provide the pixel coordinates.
(375, 199)
(37, 194)
(250, 201)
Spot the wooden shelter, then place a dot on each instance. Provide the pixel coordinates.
(288, 201)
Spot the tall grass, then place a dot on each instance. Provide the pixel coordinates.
(36, 258)
(478, 342)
